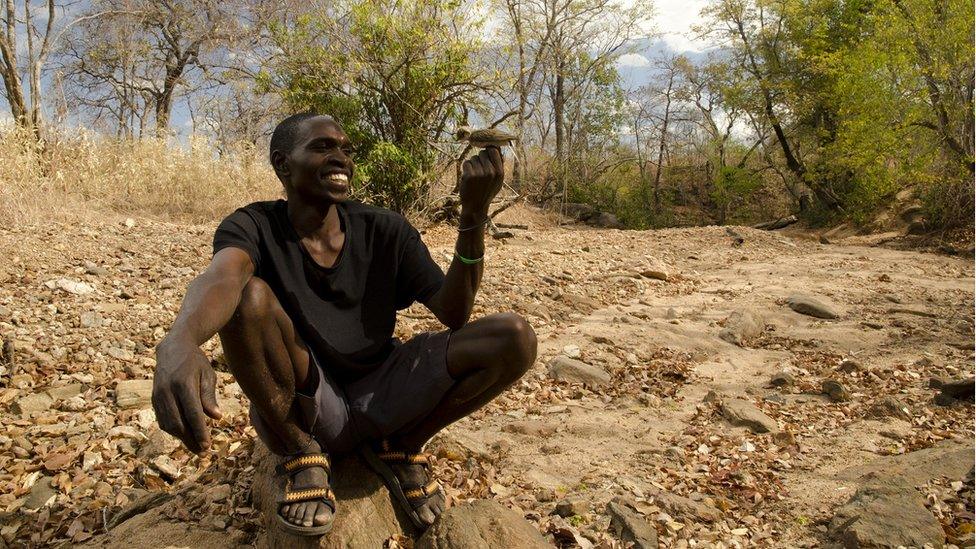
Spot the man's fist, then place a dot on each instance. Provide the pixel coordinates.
(481, 179)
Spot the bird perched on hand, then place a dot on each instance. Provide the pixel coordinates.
(489, 137)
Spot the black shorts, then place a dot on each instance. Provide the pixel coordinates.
(399, 394)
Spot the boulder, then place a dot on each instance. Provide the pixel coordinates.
(811, 307)
(479, 524)
(886, 513)
(630, 527)
(890, 406)
(366, 514)
(567, 369)
(741, 326)
(745, 414)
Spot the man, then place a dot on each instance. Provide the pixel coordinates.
(304, 294)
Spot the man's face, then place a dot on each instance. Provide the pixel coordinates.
(320, 165)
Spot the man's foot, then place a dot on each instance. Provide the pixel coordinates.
(425, 499)
(308, 513)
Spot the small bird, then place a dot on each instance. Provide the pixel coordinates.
(489, 137)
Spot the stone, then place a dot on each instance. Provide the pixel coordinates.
(811, 307)
(166, 466)
(91, 319)
(948, 458)
(530, 427)
(65, 391)
(955, 391)
(571, 506)
(886, 514)
(629, 527)
(849, 366)
(121, 354)
(741, 326)
(572, 351)
(782, 379)
(37, 402)
(655, 269)
(72, 286)
(835, 390)
(94, 269)
(682, 507)
(159, 443)
(41, 493)
(133, 393)
(890, 406)
(368, 514)
(571, 370)
(479, 524)
(743, 413)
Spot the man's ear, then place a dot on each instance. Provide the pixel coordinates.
(279, 161)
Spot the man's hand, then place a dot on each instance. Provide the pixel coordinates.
(481, 179)
(184, 389)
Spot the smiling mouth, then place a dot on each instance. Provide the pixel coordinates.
(338, 180)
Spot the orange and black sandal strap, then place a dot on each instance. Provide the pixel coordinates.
(423, 492)
(310, 494)
(304, 462)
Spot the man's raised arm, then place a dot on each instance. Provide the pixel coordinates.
(481, 179)
(184, 386)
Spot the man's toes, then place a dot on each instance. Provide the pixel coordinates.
(308, 514)
(322, 514)
(426, 516)
(284, 510)
(295, 515)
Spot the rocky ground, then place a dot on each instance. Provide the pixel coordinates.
(694, 388)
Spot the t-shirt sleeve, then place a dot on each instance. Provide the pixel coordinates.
(239, 230)
(418, 276)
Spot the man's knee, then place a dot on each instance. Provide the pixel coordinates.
(519, 343)
(257, 302)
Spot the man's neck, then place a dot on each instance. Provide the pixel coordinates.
(318, 221)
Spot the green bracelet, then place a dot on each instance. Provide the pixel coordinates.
(466, 260)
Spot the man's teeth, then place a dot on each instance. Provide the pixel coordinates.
(338, 177)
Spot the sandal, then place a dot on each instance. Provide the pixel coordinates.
(324, 493)
(410, 497)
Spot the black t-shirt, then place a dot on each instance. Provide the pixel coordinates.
(346, 312)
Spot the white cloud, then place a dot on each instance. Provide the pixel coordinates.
(632, 60)
(674, 18)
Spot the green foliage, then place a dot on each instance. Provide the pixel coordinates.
(390, 176)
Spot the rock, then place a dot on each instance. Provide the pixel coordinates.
(682, 507)
(65, 391)
(133, 393)
(91, 319)
(809, 306)
(630, 527)
(574, 371)
(121, 354)
(166, 466)
(886, 514)
(745, 414)
(530, 427)
(159, 443)
(948, 459)
(849, 366)
(571, 506)
(37, 402)
(479, 524)
(835, 390)
(890, 406)
(94, 269)
(741, 326)
(367, 514)
(782, 379)
(954, 392)
(73, 286)
(655, 269)
(572, 351)
(41, 493)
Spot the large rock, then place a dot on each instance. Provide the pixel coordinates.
(741, 326)
(884, 514)
(743, 413)
(133, 393)
(366, 515)
(480, 524)
(630, 527)
(809, 306)
(949, 459)
(563, 368)
(38, 402)
(682, 507)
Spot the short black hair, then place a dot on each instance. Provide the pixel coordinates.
(285, 133)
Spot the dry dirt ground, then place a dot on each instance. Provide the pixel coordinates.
(81, 308)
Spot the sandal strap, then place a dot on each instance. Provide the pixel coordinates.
(311, 494)
(423, 492)
(304, 461)
(404, 457)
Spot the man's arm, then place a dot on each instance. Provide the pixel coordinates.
(481, 179)
(184, 387)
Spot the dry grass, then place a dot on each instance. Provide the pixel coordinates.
(79, 176)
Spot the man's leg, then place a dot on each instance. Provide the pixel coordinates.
(270, 363)
(484, 357)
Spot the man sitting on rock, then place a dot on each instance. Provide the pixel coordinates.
(304, 294)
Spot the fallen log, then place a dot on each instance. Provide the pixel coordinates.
(777, 223)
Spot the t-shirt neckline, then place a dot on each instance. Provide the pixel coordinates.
(343, 225)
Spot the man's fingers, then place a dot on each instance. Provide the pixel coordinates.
(168, 415)
(190, 405)
(208, 394)
(497, 161)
